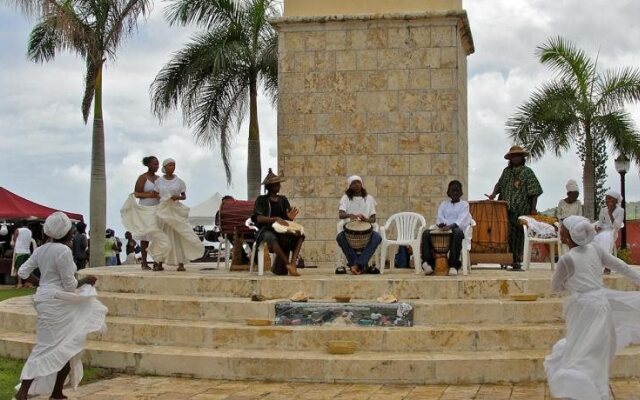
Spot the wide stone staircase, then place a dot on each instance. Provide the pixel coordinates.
(467, 329)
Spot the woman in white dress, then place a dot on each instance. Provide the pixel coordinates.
(67, 310)
(599, 321)
(147, 197)
(173, 218)
(609, 221)
(569, 205)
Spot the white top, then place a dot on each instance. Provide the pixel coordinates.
(605, 222)
(565, 209)
(148, 187)
(454, 213)
(358, 205)
(57, 270)
(168, 188)
(580, 270)
(23, 241)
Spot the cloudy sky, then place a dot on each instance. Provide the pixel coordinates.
(45, 147)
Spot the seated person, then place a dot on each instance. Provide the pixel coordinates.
(270, 208)
(571, 205)
(453, 215)
(609, 221)
(357, 205)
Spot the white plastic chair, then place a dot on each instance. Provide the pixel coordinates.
(409, 226)
(339, 228)
(466, 248)
(529, 241)
(225, 244)
(249, 224)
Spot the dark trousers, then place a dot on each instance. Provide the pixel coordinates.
(454, 250)
(362, 259)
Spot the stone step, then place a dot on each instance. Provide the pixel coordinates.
(451, 367)
(226, 335)
(199, 280)
(454, 311)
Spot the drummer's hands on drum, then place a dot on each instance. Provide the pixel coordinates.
(490, 196)
(293, 213)
(282, 221)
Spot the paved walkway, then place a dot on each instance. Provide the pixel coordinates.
(162, 388)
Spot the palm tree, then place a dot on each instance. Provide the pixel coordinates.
(216, 74)
(93, 29)
(580, 106)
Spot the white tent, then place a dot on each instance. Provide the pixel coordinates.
(204, 213)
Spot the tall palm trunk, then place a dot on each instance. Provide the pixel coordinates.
(589, 176)
(98, 191)
(254, 167)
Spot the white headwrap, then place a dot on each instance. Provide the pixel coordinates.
(572, 186)
(580, 229)
(57, 225)
(353, 178)
(166, 162)
(614, 194)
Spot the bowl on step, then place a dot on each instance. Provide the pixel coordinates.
(342, 346)
(342, 299)
(259, 322)
(525, 296)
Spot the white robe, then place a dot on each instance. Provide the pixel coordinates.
(66, 314)
(608, 228)
(172, 239)
(599, 322)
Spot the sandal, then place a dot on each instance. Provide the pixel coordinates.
(341, 271)
(157, 267)
(181, 268)
(146, 267)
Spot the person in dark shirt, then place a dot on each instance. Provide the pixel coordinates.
(268, 209)
(80, 246)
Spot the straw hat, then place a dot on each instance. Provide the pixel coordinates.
(515, 150)
(272, 178)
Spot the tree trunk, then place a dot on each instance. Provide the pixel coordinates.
(254, 167)
(98, 191)
(588, 179)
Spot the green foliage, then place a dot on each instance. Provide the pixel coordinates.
(215, 78)
(579, 107)
(625, 255)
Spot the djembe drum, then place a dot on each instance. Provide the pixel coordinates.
(358, 234)
(441, 241)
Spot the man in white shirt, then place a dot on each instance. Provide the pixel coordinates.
(453, 215)
(357, 205)
(22, 246)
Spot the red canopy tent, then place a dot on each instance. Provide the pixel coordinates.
(14, 207)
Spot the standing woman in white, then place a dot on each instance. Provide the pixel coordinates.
(599, 321)
(144, 191)
(609, 221)
(67, 310)
(173, 218)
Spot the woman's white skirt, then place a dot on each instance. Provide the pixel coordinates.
(599, 323)
(63, 324)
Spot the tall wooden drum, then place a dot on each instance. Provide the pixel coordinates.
(491, 233)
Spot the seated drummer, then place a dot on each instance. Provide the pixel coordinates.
(453, 215)
(357, 205)
(270, 208)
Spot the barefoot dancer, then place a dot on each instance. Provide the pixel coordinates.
(67, 310)
(270, 208)
(148, 197)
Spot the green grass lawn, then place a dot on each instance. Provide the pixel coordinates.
(10, 368)
(13, 292)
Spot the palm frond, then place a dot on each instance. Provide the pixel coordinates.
(616, 87)
(268, 66)
(205, 13)
(44, 40)
(619, 129)
(122, 21)
(89, 88)
(571, 63)
(547, 121)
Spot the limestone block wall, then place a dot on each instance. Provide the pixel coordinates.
(380, 96)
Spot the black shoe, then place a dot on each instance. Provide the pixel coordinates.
(341, 271)
(372, 270)
(516, 267)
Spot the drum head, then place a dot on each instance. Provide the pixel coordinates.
(358, 226)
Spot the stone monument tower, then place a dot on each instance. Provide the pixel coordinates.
(376, 88)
